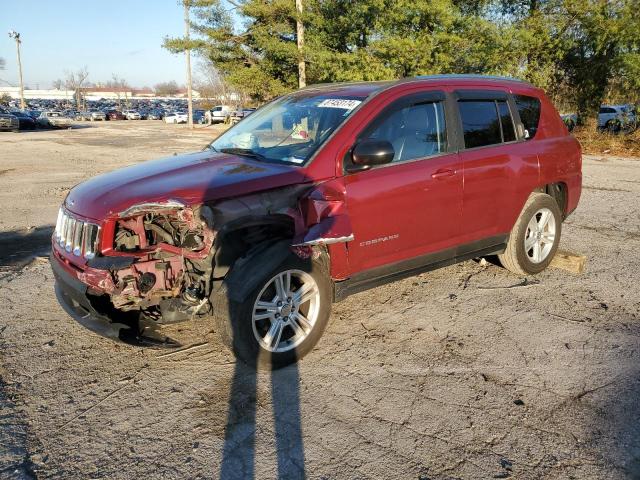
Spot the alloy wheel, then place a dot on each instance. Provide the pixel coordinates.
(286, 310)
(540, 235)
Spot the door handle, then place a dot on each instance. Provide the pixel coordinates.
(443, 173)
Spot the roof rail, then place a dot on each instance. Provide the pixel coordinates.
(470, 76)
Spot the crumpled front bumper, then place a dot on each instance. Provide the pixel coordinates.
(72, 296)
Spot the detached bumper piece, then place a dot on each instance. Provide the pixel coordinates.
(72, 296)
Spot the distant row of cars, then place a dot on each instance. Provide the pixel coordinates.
(217, 114)
(15, 120)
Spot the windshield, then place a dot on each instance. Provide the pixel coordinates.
(290, 129)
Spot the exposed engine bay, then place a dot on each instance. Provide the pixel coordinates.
(171, 277)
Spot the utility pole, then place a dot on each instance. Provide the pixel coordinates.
(187, 4)
(302, 74)
(15, 35)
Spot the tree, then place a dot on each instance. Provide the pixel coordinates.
(210, 83)
(167, 89)
(605, 44)
(74, 81)
(577, 50)
(119, 85)
(186, 44)
(2, 63)
(57, 84)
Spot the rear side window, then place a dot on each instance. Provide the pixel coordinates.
(529, 111)
(486, 122)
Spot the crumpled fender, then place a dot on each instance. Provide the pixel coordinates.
(335, 229)
(326, 217)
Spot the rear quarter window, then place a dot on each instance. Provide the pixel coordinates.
(529, 111)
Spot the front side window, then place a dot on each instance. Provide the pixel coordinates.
(289, 130)
(529, 111)
(415, 131)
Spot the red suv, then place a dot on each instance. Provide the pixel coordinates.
(324, 192)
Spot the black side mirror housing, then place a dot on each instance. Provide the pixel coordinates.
(370, 152)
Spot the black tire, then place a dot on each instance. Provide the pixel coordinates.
(516, 258)
(234, 320)
(612, 127)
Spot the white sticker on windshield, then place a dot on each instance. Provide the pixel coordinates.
(296, 160)
(339, 103)
(244, 140)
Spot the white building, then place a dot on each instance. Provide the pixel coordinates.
(90, 94)
(14, 92)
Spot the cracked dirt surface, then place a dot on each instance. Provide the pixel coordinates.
(462, 373)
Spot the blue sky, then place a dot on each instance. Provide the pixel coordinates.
(108, 36)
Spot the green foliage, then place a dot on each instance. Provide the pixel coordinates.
(577, 50)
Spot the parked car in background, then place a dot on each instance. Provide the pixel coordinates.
(115, 115)
(240, 113)
(33, 113)
(323, 193)
(54, 120)
(615, 118)
(82, 116)
(97, 115)
(176, 117)
(570, 120)
(25, 121)
(132, 115)
(155, 115)
(9, 122)
(220, 113)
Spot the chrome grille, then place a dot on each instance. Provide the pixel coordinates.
(76, 236)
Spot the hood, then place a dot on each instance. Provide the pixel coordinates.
(192, 178)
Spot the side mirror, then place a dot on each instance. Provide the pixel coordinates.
(370, 152)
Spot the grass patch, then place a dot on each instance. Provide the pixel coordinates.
(597, 143)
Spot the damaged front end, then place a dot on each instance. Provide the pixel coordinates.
(153, 267)
(159, 263)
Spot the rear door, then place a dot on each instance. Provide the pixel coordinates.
(495, 164)
(411, 206)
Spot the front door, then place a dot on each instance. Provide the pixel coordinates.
(412, 206)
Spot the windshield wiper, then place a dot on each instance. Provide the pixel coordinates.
(247, 152)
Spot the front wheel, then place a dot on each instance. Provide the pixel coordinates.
(282, 319)
(535, 237)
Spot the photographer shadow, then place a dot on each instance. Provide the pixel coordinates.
(240, 431)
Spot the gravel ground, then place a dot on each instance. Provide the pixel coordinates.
(462, 373)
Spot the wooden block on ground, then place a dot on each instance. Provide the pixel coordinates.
(569, 261)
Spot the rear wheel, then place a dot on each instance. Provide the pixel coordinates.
(535, 237)
(282, 319)
(612, 126)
